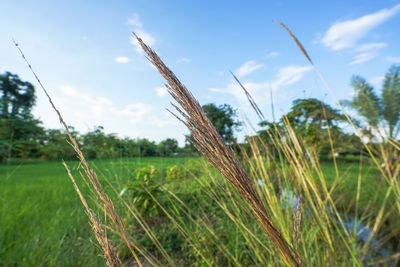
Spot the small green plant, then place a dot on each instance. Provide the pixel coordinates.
(143, 189)
(175, 173)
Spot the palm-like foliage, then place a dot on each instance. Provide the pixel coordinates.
(383, 111)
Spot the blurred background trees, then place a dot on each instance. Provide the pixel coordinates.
(316, 123)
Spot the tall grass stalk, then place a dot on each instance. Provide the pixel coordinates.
(208, 142)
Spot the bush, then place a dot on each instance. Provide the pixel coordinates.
(143, 189)
(175, 173)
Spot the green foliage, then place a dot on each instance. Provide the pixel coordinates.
(20, 134)
(383, 111)
(310, 119)
(17, 96)
(175, 173)
(224, 118)
(390, 101)
(168, 147)
(143, 189)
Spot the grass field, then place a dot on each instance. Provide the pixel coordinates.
(43, 222)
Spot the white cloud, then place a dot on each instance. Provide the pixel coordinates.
(135, 21)
(161, 91)
(346, 34)
(135, 112)
(260, 91)
(363, 57)
(366, 52)
(273, 54)
(370, 46)
(247, 68)
(96, 106)
(289, 75)
(147, 37)
(395, 60)
(122, 59)
(185, 60)
(83, 110)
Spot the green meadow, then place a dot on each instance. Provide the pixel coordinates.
(43, 222)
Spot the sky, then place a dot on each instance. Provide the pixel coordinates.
(84, 54)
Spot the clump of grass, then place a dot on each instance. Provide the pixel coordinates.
(208, 142)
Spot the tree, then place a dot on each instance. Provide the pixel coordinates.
(378, 112)
(168, 147)
(19, 131)
(311, 117)
(381, 115)
(224, 119)
(18, 97)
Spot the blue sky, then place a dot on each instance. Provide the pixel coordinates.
(84, 53)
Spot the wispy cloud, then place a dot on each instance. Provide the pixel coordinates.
(366, 52)
(345, 34)
(247, 68)
(135, 112)
(273, 54)
(370, 46)
(364, 57)
(289, 75)
(161, 91)
(138, 28)
(260, 91)
(95, 105)
(122, 59)
(135, 21)
(395, 60)
(184, 60)
(90, 106)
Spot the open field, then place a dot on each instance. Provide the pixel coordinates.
(44, 223)
(42, 219)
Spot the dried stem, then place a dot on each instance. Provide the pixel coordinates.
(208, 142)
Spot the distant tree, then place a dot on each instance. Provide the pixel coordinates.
(19, 131)
(55, 145)
(97, 144)
(224, 118)
(381, 115)
(311, 117)
(378, 112)
(18, 97)
(168, 146)
(147, 148)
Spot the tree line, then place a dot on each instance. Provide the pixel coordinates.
(316, 123)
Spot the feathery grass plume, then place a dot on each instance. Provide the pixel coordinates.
(90, 173)
(296, 40)
(208, 142)
(111, 257)
(250, 99)
(297, 221)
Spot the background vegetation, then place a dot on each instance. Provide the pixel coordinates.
(322, 187)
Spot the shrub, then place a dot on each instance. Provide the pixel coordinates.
(143, 189)
(175, 173)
